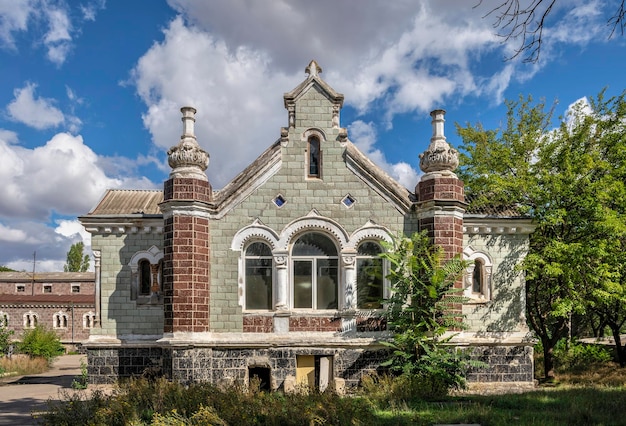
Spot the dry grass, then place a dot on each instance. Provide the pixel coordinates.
(607, 374)
(20, 365)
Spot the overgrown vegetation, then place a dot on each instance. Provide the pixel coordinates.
(41, 342)
(419, 312)
(20, 365)
(385, 401)
(159, 402)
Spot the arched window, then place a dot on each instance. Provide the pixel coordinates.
(369, 276)
(89, 320)
(4, 319)
(478, 276)
(315, 157)
(146, 284)
(145, 277)
(259, 276)
(315, 272)
(30, 319)
(59, 320)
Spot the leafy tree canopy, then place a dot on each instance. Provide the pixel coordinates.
(76, 260)
(571, 180)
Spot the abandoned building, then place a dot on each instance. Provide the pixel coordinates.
(61, 301)
(268, 276)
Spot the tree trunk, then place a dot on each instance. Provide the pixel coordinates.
(621, 353)
(548, 359)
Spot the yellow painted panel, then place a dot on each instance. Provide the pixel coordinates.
(305, 370)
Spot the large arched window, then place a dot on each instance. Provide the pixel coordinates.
(259, 276)
(315, 157)
(315, 272)
(369, 276)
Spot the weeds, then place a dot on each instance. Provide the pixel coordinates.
(81, 382)
(21, 365)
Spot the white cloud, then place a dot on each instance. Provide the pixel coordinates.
(91, 9)
(39, 113)
(47, 179)
(14, 17)
(227, 88)
(364, 136)
(43, 183)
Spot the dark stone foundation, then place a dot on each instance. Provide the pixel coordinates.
(513, 364)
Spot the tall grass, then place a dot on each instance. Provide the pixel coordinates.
(21, 365)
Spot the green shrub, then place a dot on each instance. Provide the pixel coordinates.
(42, 342)
(5, 338)
(577, 356)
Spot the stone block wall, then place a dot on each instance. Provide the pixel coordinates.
(120, 315)
(505, 364)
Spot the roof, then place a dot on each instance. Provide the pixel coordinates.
(129, 201)
(47, 276)
(482, 206)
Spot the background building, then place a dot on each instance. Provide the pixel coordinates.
(62, 301)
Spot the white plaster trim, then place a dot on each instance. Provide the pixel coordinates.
(369, 231)
(427, 211)
(313, 222)
(472, 255)
(256, 230)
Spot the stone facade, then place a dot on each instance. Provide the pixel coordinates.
(272, 274)
(63, 302)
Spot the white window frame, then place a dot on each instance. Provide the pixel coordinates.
(245, 275)
(60, 320)
(468, 286)
(154, 256)
(31, 319)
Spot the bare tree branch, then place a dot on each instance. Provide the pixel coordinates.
(515, 21)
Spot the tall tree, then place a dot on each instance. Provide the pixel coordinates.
(570, 179)
(76, 260)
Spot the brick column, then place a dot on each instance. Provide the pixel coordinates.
(440, 195)
(186, 209)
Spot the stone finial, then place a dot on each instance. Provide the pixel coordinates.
(187, 159)
(313, 69)
(439, 156)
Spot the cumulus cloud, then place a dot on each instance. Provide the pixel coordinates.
(40, 187)
(364, 136)
(39, 113)
(228, 88)
(46, 179)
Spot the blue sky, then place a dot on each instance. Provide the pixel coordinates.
(90, 90)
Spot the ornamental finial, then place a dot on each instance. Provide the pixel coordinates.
(439, 157)
(313, 69)
(187, 159)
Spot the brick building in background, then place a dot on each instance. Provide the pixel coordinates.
(271, 275)
(61, 301)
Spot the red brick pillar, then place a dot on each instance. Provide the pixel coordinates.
(186, 207)
(440, 194)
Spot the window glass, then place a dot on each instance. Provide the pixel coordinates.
(369, 270)
(477, 277)
(315, 272)
(259, 267)
(144, 277)
(314, 156)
